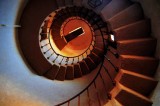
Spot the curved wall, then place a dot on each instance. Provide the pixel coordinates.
(19, 86)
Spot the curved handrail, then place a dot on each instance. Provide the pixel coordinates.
(84, 88)
(91, 81)
(78, 56)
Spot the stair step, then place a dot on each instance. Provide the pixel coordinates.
(91, 65)
(84, 99)
(141, 47)
(98, 52)
(111, 55)
(77, 71)
(139, 64)
(98, 39)
(84, 68)
(99, 45)
(96, 59)
(60, 3)
(137, 82)
(69, 73)
(114, 7)
(125, 17)
(100, 87)
(61, 73)
(51, 74)
(107, 81)
(68, 2)
(139, 29)
(128, 97)
(93, 96)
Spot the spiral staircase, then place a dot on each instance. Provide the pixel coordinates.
(121, 53)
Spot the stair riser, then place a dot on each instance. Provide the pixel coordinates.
(137, 30)
(145, 67)
(51, 74)
(141, 48)
(138, 84)
(133, 14)
(128, 99)
(84, 68)
(61, 74)
(69, 73)
(77, 71)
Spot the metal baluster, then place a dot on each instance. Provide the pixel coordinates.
(61, 61)
(103, 82)
(68, 103)
(108, 95)
(50, 56)
(82, 56)
(73, 61)
(116, 68)
(88, 97)
(47, 51)
(78, 59)
(44, 45)
(113, 82)
(79, 103)
(55, 59)
(67, 60)
(97, 94)
(115, 54)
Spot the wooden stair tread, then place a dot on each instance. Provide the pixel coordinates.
(84, 67)
(137, 75)
(69, 73)
(61, 73)
(139, 29)
(77, 71)
(98, 52)
(141, 47)
(139, 64)
(137, 82)
(51, 74)
(91, 65)
(98, 39)
(133, 14)
(99, 45)
(96, 59)
(131, 92)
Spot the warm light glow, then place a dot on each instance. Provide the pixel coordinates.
(81, 43)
